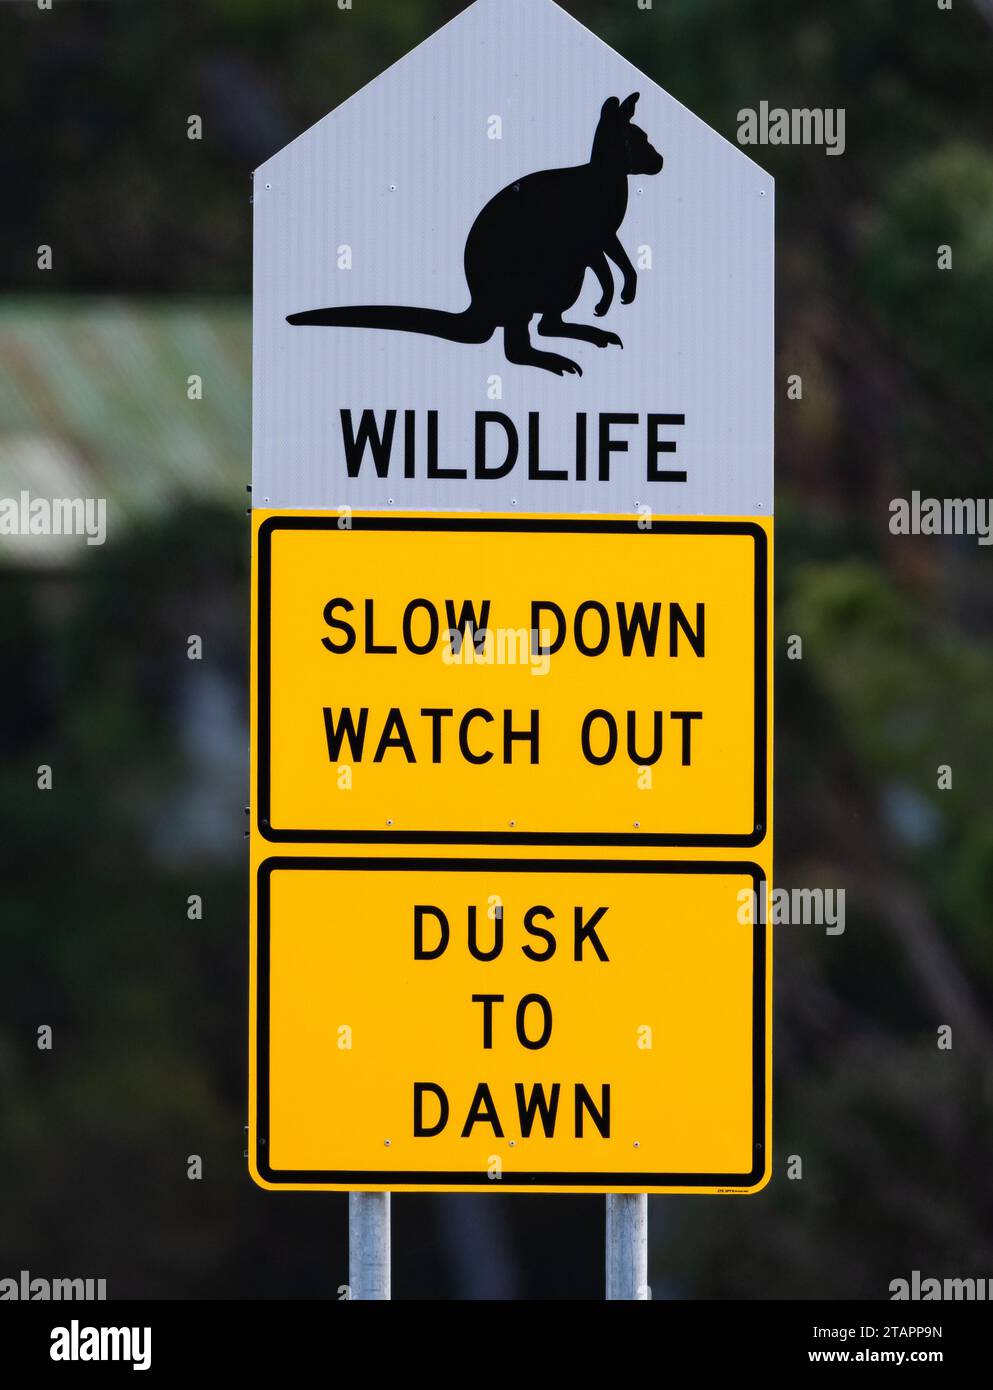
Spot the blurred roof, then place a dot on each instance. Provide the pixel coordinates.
(94, 404)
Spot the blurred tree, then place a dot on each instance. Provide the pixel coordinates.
(895, 678)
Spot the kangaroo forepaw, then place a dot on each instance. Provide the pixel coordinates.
(601, 308)
(628, 294)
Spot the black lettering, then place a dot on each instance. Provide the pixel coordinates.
(679, 621)
(499, 470)
(638, 625)
(394, 735)
(466, 623)
(610, 446)
(370, 635)
(380, 445)
(409, 444)
(534, 1044)
(478, 759)
(537, 649)
(658, 446)
(611, 723)
(644, 759)
(497, 947)
(581, 446)
(349, 642)
(600, 1118)
(434, 470)
(591, 606)
(436, 716)
(536, 473)
(586, 931)
(421, 952)
(542, 932)
(512, 736)
(487, 1001)
(536, 1102)
(421, 1130)
(345, 729)
(687, 717)
(482, 1111)
(420, 648)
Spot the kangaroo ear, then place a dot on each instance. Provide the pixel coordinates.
(610, 107)
(627, 106)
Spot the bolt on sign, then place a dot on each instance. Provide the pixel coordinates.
(511, 634)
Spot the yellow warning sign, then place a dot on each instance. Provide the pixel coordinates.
(543, 1025)
(537, 680)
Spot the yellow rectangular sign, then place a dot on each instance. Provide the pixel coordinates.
(445, 679)
(509, 1025)
(513, 1022)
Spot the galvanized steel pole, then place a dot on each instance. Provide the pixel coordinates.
(627, 1247)
(369, 1246)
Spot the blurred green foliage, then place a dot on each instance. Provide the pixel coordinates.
(895, 680)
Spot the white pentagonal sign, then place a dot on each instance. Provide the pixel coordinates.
(513, 274)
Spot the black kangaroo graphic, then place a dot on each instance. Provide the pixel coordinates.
(528, 252)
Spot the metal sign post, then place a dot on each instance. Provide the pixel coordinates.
(369, 1246)
(627, 1247)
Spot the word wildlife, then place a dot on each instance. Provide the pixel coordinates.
(401, 447)
(478, 735)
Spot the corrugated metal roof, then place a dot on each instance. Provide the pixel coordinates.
(93, 403)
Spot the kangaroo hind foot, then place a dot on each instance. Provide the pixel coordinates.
(520, 350)
(554, 326)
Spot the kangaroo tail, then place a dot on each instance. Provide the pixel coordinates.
(466, 327)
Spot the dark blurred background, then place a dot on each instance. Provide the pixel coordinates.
(150, 283)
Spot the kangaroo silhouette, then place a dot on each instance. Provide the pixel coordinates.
(528, 252)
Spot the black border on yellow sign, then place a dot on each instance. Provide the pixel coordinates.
(531, 526)
(512, 1180)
